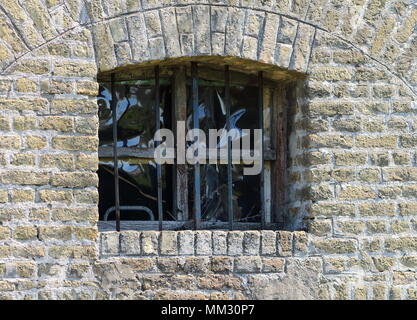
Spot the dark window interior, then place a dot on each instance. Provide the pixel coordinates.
(135, 113)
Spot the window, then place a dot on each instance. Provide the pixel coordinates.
(135, 192)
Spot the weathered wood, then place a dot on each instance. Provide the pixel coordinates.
(209, 69)
(180, 114)
(279, 143)
(107, 152)
(146, 73)
(216, 73)
(267, 191)
(149, 153)
(181, 225)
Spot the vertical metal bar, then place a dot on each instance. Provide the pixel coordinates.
(197, 182)
(158, 166)
(174, 106)
(261, 156)
(229, 149)
(115, 158)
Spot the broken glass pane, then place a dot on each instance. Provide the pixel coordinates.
(245, 198)
(137, 189)
(244, 112)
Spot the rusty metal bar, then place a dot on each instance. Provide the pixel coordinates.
(261, 154)
(229, 149)
(158, 166)
(174, 129)
(196, 125)
(115, 158)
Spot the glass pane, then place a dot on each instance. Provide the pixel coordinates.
(138, 190)
(212, 114)
(135, 113)
(244, 112)
(246, 193)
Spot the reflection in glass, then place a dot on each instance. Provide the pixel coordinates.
(135, 113)
(244, 112)
(212, 115)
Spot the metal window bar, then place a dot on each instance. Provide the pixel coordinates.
(115, 158)
(261, 155)
(197, 182)
(229, 149)
(175, 167)
(158, 166)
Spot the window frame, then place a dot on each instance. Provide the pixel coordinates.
(273, 159)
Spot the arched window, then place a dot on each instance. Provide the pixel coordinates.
(217, 190)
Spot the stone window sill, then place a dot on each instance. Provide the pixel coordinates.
(202, 243)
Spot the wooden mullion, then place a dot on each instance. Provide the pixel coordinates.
(180, 114)
(107, 152)
(279, 143)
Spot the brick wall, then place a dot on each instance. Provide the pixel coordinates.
(206, 265)
(352, 167)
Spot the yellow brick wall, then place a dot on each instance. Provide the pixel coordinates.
(352, 168)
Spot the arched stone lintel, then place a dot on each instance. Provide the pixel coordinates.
(198, 31)
(247, 66)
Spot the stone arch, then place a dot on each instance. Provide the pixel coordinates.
(249, 29)
(171, 32)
